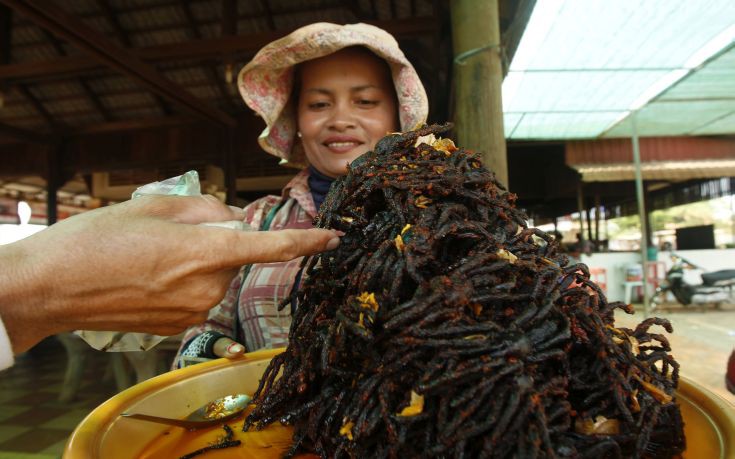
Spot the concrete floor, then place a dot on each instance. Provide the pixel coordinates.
(702, 341)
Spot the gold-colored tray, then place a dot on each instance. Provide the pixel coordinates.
(709, 420)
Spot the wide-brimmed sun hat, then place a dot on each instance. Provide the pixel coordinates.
(266, 82)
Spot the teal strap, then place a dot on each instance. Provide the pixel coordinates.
(271, 215)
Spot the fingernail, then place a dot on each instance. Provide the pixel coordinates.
(333, 243)
(235, 348)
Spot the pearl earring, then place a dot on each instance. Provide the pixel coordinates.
(298, 134)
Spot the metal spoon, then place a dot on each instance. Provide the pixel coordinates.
(214, 412)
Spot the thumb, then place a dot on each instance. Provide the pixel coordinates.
(227, 348)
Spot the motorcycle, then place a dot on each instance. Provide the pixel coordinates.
(716, 287)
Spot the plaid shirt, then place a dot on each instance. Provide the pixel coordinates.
(261, 324)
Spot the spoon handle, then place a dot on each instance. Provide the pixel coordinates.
(169, 421)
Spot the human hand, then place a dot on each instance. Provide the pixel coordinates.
(228, 348)
(143, 265)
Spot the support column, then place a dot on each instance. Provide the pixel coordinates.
(588, 215)
(478, 78)
(641, 210)
(6, 20)
(597, 219)
(649, 228)
(580, 208)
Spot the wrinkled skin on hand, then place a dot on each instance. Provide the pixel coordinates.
(143, 265)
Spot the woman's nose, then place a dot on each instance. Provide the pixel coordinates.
(342, 118)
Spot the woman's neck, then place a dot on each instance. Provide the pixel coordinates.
(319, 185)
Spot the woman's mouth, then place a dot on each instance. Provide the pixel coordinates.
(341, 145)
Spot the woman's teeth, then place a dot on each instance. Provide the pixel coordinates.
(341, 144)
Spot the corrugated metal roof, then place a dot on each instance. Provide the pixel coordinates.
(188, 75)
(63, 89)
(59, 109)
(17, 111)
(583, 67)
(613, 151)
(659, 170)
(206, 92)
(85, 120)
(138, 113)
(122, 101)
(700, 104)
(113, 84)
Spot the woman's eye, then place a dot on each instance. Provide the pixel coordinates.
(317, 105)
(367, 102)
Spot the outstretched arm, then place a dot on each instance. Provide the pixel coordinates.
(142, 265)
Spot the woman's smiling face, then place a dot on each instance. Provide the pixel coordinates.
(346, 104)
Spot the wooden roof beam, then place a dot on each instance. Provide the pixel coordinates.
(124, 38)
(111, 17)
(357, 10)
(237, 45)
(93, 99)
(39, 107)
(228, 23)
(393, 9)
(24, 134)
(268, 14)
(135, 125)
(373, 9)
(6, 21)
(212, 70)
(48, 15)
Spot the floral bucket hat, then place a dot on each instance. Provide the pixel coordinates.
(266, 82)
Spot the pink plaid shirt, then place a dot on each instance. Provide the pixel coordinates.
(261, 325)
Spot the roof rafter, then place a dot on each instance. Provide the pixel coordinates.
(6, 19)
(24, 134)
(82, 81)
(197, 34)
(268, 14)
(39, 107)
(236, 45)
(124, 38)
(72, 29)
(158, 27)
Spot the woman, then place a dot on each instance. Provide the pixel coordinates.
(327, 93)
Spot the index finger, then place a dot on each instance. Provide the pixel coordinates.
(272, 246)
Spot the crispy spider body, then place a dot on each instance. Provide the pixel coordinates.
(443, 326)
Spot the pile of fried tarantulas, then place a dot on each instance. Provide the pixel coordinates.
(443, 326)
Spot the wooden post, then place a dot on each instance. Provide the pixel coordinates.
(580, 208)
(642, 214)
(588, 217)
(478, 77)
(597, 218)
(649, 229)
